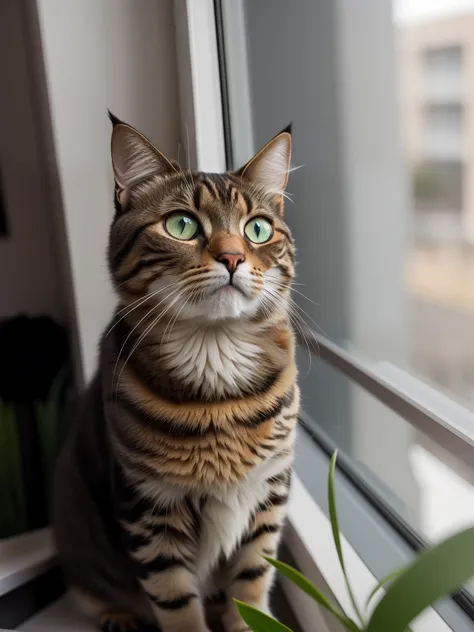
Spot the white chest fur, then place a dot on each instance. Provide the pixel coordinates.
(227, 512)
(217, 359)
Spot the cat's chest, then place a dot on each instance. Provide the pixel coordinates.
(227, 513)
(217, 361)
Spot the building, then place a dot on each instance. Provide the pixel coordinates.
(437, 99)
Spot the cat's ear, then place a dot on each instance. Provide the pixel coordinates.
(134, 158)
(270, 166)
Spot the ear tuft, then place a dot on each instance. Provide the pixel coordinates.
(270, 166)
(114, 119)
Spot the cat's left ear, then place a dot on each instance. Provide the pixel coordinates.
(270, 166)
(134, 158)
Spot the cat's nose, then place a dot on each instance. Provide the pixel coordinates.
(231, 260)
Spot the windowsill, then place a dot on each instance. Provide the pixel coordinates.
(64, 616)
(24, 557)
(309, 539)
(60, 616)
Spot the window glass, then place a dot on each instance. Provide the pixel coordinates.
(382, 212)
(435, 63)
(430, 489)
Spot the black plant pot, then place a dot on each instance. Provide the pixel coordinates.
(33, 350)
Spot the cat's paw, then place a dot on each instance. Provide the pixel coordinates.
(124, 622)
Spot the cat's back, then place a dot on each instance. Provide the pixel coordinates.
(82, 515)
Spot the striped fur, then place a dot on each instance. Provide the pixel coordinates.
(175, 478)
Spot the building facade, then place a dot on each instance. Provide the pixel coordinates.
(437, 99)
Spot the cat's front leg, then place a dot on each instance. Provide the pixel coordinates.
(250, 576)
(163, 545)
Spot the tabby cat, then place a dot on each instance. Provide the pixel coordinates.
(174, 479)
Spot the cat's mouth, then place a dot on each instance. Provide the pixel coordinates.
(223, 297)
(231, 288)
(233, 284)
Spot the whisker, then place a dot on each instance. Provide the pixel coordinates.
(134, 306)
(172, 293)
(284, 286)
(147, 331)
(295, 305)
(295, 319)
(304, 296)
(172, 322)
(289, 170)
(147, 296)
(190, 182)
(187, 141)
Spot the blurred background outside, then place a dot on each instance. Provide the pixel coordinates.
(435, 58)
(435, 55)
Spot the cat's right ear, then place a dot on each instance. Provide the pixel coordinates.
(134, 158)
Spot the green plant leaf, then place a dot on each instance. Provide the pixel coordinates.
(435, 573)
(336, 533)
(300, 580)
(386, 580)
(258, 621)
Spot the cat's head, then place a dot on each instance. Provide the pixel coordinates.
(200, 245)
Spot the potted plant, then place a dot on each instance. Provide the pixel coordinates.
(35, 386)
(409, 591)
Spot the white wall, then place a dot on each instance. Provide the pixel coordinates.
(28, 279)
(98, 55)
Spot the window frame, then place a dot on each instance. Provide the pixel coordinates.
(441, 420)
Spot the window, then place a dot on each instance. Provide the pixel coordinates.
(443, 131)
(442, 68)
(383, 218)
(444, 118)
(442, 61)
(437, 186)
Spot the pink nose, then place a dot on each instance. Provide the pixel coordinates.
(231, 260)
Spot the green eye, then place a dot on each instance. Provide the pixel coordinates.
(182, 226)
(259, 230)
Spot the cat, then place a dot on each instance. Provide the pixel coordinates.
(174, 479)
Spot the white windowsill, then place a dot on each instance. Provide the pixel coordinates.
(60, 616)
(309, 539)
(24, 557)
